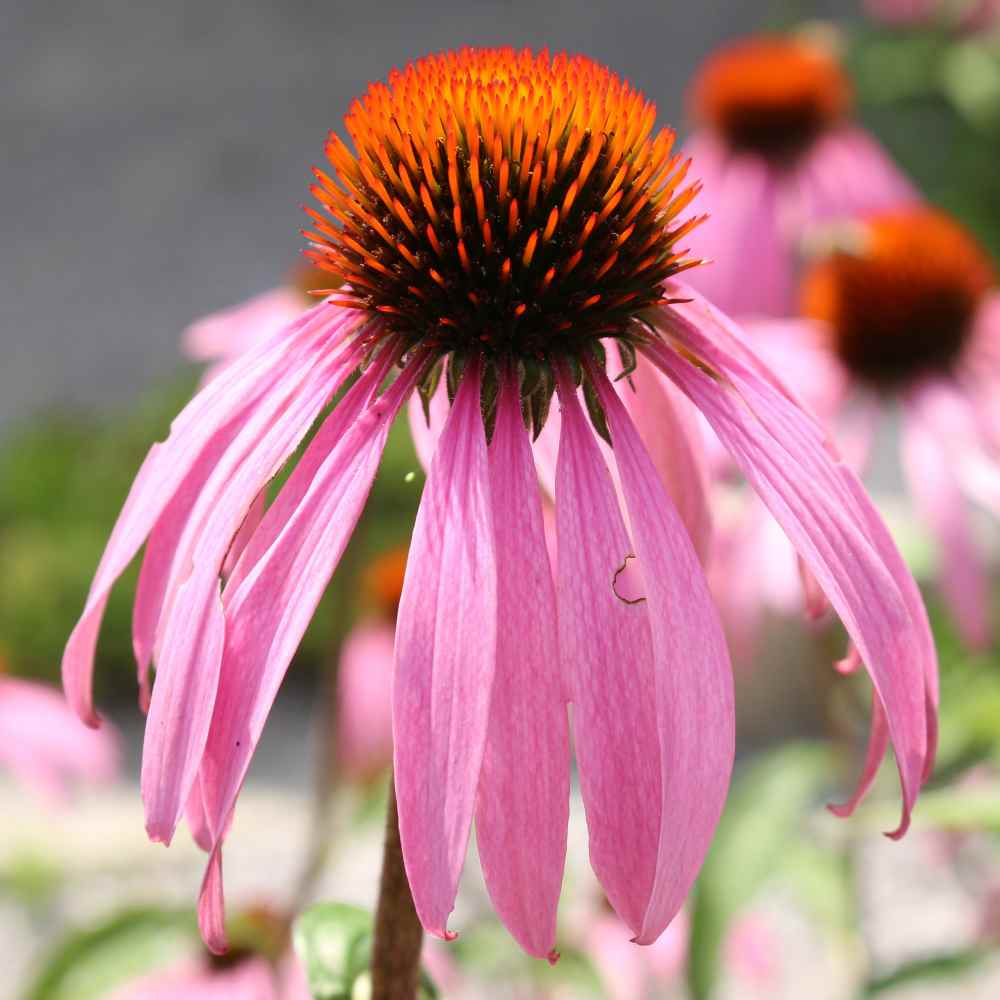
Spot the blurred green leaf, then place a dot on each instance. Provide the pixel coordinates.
(970, 76)
(771, 799)
(334, 941)
(939, 967)
(330, 939)
(90, 963)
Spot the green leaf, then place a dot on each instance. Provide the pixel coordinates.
(767, 808)
(91, 963)
(328, 938)
(940, 967)
(334, 941)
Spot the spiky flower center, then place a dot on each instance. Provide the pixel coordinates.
(901, 303)
(512, 203)
(771, 95)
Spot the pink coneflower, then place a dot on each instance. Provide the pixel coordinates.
(44, 745)
(776, 153)
(966, 15)
(364, 676)
(910, 314)
(514, 216)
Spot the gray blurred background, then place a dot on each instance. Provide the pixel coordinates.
(155, 156)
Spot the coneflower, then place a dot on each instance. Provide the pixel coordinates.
(515, 219)
(777, 152)
(909, 313)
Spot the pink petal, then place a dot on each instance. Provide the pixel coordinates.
(445, 653)
(425, 432)
(211, 906)
(878, 743)
(668, 426)
(930, 471)
(192, 628)
(273, 591)
(742, 195)
(831, 523)
(607, 654)
(162, 473)
(523, 806)
(847, 174)
(695, 716)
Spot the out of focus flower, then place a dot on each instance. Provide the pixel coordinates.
(776, 152)
(753, 951)
(250, 978)
(259, 966)
(364, 677)
(539, 237)
(45, 746)
(966, 15)
(630, 973)
(909, 310)
(225, 335)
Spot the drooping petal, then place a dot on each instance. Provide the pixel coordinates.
(274, 590)
(606, 649)
(161, 547)
(211, 906)
(425, 428)
(878, 743)
(160, 477)
(964, 578)
(695, 715)
(445, 653)
(666, 423)
(787, 460)
(924, 652)
(229, 333)
(192, 628)
(846, 174)
(523, 807)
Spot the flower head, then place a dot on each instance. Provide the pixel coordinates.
(902, 297)
(908, 309)
(512, 205)
(772, 96)
(508, 218)
(777, 153)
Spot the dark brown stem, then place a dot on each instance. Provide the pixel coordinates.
(398, 934)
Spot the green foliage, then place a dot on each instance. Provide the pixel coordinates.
(941, 968)
(769, 804)
(934, 100)
(89, 964)
(334, 942)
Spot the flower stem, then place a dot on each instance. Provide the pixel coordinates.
(398, 934)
